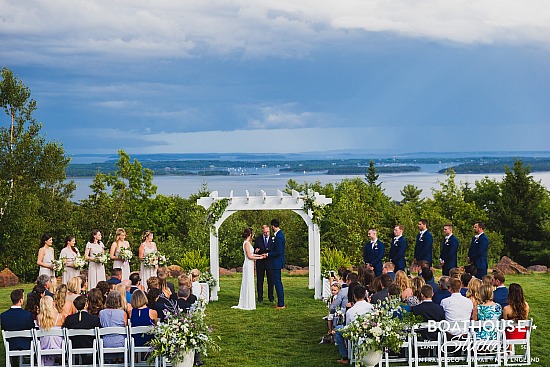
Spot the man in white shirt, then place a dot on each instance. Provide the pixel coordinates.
(359, 308)
(458, 309)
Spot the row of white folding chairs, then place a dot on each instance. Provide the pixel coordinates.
(69, 355)
(464, 351)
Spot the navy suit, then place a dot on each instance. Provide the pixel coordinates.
(449, 250)
(262, 267)
(397, 253)
(17, 319)
(500, 296)
(374, 256)
(429, 310)
(440, 295)
(276, 263)
(478, 254)
(424, 247)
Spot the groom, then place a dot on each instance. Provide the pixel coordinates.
(276, 262)
(262, 244)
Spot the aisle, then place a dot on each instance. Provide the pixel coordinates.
(267, 337)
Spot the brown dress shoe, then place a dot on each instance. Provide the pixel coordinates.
(343, 361)
(280, 307)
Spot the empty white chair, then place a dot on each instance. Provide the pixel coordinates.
(137, 351)
(75, 354)
(403, 359)
(457, 349)
(427, 352)
(21, 353)
(486, 352)
(511, 354)
(60, 351)
(109, 351)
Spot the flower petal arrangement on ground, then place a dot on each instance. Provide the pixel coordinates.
(384, 328)
(182, 332)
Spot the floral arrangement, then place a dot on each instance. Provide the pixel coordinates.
(58, 266)
(206, 277)
(215, 212)
(385, 327)
(181, 333)
(125, 253)
(339, 316)
(153, 259)
(80, 262)
(317, 210)
(102, 258)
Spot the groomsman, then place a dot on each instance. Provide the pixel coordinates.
(449, 250)
(424, 243)
(398, 248)
(262, 244)
(373, 252)
(477, 254)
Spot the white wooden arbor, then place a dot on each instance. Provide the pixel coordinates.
(294, 202)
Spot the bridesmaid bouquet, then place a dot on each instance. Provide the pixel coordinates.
(153, 259)
(101, 258)
(125, 254)
(58, 266)
(80, 262)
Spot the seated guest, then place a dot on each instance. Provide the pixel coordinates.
(161, 305)
(82, 320)
(127, 284)
(196, 287)
(416, 286)
(428, 276)
(383, 294)
(124, 305)
(165, 287)
(62, 304)
(33, 300)
(340, 301)
(95, 302)
(345, 278)
(334, 290)
(470, 269)
(473, 295)
(136, 282)
(184, 279)
(153, 282)
(49, 318)
(105, 288)
(352, 280)
(487, 310)
(46, 281)
(455, 273)
(421, 265)
(517, 309)
(458, 309)
(116, 276)
(74, 286)
(185, 298)
(360, 307)
(428, 310)
(395, 292)
(487, 279)
(112, 315)
(442, 290)
(376, 286)
(17, 319)
(404, 283)
(389, 268)
(142, 316)
(465, 279)
(351, 287)
(501, 292)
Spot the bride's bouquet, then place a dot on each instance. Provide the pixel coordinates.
(102, 258)
(125, 253)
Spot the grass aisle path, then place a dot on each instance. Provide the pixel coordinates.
(267, 337)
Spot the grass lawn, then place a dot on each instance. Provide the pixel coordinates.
(267, 337)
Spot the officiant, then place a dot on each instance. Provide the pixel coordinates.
(262, 244)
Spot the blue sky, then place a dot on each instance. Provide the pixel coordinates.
(284, 76)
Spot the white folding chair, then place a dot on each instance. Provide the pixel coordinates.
(486, 352)
(427, 352)
(137, 351)
(457, 349)
(403, 359)
(60, 351)
(75, 354)
(105, 350)
(21, 353)
(510, 354)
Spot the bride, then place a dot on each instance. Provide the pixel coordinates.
(247, 299)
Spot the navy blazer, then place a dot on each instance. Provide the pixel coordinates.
(429, 311)
(424, 247)
(397, 253)
(500, 296)
(478, 251)
(374, 256)
(276, 255)
(449, 250)
(17, 319)
(259, 244)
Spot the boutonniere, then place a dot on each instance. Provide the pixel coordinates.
(447, 241)
(272, 238)
(376, 246)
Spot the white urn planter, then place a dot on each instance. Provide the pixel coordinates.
(372, 358)
(188, 360)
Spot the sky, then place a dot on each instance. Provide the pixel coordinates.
(266, 76)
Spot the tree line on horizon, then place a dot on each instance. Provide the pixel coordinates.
(36, 198)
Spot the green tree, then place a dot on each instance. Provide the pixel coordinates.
(372, 177)
(34, 197)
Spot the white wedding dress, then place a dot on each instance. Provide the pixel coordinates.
(247, 298)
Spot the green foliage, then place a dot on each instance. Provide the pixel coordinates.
(372, 177)
(215, 212)
(411, 195)
(333, 259)
(193, 259)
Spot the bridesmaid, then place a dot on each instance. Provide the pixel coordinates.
(69, 252)
(96, 271)
(46, 255)
(145, 248)
(119, 243)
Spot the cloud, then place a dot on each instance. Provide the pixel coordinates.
(41, 31)
(284, 116)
